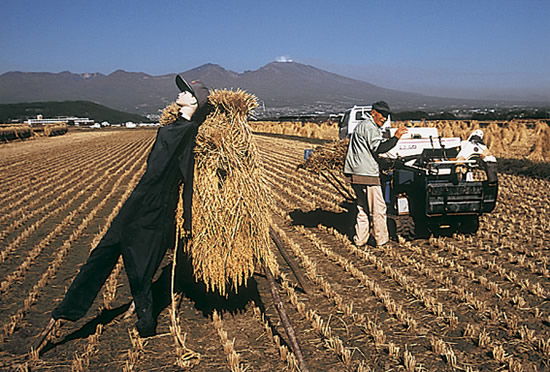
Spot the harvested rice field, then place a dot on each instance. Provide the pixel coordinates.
(447, 303)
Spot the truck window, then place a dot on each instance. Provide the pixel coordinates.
(344, 121)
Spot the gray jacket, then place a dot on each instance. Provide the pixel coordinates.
(363, 145)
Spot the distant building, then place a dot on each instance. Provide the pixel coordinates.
(64, 119)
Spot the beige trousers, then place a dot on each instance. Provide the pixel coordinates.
(377, 211)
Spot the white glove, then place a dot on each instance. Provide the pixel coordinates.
(188, 104)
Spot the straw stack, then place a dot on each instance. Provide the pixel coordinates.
(540, 151)
(230, 197)
(169, 114)
(327, 157)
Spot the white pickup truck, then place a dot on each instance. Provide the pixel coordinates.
(352, 117)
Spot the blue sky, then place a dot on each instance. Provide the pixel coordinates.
(452, 48)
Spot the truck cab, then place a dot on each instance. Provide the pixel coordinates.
(352, 117)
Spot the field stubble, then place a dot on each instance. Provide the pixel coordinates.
(445, 303)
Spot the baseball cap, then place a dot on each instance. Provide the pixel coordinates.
(382, 107)
(196, 88)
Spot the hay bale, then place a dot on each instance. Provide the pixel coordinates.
(327, 157)
(230, 197)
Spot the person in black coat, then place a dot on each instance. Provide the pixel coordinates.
(144, 228)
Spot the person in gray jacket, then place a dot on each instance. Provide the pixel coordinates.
(361, 164)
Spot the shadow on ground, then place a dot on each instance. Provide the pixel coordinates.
(204, 301)
(342, 222)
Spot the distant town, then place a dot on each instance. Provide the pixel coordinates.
(312, 115)
(85, 122)
(317, 114)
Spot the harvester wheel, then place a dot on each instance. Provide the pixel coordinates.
(469, 225)
(403, 226)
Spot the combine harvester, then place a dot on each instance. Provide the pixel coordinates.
(433, 184)
(438, 185)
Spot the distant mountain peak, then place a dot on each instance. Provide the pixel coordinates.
(283, 86)
(117, 72)
(128, 75)
(90, 75)
(293, 66)
(283, 63)
(212, 65)
(212, 75)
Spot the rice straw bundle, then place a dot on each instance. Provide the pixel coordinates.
(169, 114)
(521, 135)
(492, 136)
(230, 197)
(540, 151)
(327, 157)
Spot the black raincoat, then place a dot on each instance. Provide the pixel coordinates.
(143, 230)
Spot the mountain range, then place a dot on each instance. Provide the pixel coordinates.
(281, 87)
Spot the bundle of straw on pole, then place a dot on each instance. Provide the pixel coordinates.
(327, 157)
(230, 197)
(169, 114)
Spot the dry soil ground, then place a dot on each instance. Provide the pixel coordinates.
(459, 302)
